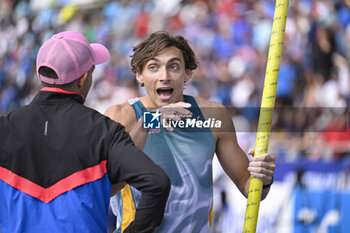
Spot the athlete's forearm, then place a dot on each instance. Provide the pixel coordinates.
(139, 134)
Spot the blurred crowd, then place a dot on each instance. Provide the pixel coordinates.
(231, 39)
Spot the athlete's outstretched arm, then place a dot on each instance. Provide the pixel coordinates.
(230, 155)
(235, 162)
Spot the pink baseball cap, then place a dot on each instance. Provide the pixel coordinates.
(70, 55)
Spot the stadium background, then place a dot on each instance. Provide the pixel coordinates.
(311, 133)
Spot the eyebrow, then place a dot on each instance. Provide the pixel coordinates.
(171, 60)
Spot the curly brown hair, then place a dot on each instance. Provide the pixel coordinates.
(154, 44)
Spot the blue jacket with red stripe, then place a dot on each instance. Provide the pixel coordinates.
(58, 161)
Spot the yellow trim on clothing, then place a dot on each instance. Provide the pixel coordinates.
(211, 214)
(129, 209)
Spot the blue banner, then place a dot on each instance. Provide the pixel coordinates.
(321, 211)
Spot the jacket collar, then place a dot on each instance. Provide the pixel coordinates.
(56, 94)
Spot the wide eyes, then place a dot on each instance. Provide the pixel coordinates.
(174, 67)
(153, 67)
(171, 67)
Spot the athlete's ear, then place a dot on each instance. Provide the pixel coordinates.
(81, 81)
(188, 75)
(139, 78)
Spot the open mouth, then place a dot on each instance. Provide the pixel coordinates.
(164, 93)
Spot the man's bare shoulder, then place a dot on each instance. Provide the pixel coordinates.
(122, 113)
(119, 110)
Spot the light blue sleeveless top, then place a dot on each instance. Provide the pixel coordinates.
(186, 156)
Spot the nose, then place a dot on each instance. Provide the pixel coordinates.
(164, 75)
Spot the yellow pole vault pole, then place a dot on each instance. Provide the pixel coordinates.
(266, 110)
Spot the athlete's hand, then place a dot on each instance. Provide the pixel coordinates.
(262, 167)
(174, 113)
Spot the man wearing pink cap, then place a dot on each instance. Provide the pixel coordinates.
(59, 159)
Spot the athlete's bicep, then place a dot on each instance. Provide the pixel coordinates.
(230, 155)
(234, 161)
